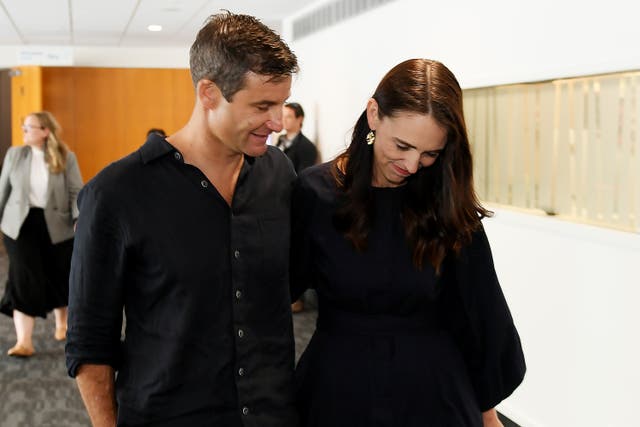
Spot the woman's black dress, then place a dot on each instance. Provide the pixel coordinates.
(395, 346)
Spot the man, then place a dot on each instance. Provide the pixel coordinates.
(302, 152)
(191, 236)
(296, 146)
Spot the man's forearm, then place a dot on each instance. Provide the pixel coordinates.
(96, 384)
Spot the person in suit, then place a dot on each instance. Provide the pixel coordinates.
(156, 131)
(296, 146)
(39, 185)
(300, 150)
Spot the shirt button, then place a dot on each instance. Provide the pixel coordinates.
(236, 254)
(245, 410)
(177, 155)
(204, 183)
(238, 294)
(240, 333)
(241, 372)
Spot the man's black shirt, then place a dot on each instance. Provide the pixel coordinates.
(204, 287)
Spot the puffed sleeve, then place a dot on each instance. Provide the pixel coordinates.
(95, 284)
(302, 202)
(475, 310)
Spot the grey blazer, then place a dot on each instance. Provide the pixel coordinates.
(62, 193)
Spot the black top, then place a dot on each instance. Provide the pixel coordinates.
(204, 287)
(396, 346)
(302, 152)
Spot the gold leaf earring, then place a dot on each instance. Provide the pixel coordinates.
(371, 137)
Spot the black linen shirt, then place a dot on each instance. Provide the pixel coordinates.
(204, 286)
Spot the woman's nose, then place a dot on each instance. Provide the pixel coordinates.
(413, 163)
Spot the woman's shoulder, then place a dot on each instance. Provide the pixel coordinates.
(16, 149)
(319, 177)
(71, 156)
(17, 152)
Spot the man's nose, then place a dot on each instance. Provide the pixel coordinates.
(275, 121)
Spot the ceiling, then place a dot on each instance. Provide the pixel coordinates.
(124, 22)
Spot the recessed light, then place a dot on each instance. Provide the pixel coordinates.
(154, 28)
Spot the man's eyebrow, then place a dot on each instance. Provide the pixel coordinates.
(265, 102)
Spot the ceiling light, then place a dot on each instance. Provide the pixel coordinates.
(154, 28)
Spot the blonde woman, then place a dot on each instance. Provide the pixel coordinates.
(39, 185)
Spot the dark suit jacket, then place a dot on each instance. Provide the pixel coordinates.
(302, 152)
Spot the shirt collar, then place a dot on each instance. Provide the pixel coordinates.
(155, 146)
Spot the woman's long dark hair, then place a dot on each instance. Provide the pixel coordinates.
(441, 209)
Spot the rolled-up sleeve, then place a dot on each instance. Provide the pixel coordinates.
(95, 283)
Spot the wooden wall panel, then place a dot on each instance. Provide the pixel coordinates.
(26, 97)
(106, 112)
(58, 89)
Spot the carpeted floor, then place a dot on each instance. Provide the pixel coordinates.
(36, 392)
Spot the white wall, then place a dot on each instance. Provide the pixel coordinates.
(573, 289)
(483, 42)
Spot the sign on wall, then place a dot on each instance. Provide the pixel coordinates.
(45, 55)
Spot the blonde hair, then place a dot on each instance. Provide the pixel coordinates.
(55, 150)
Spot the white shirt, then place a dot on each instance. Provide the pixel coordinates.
(39, 179)
(285, 142)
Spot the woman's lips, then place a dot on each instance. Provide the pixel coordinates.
(400, 171)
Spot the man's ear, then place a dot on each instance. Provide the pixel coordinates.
(372, 114)
(208, 93)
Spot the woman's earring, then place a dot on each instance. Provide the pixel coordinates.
(371, 137)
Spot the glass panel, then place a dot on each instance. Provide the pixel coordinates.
(567, 147)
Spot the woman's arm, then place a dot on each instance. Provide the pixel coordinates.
(5, 184)
(74, 184)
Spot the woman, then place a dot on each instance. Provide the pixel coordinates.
(39, 186)
(413, 329)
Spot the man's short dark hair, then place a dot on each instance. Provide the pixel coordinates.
(297, 109)
(229, 46)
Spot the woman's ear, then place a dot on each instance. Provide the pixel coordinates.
(208, 94)
(372, 114)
